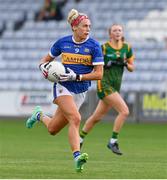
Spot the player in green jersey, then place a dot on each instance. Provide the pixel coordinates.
(117, 56)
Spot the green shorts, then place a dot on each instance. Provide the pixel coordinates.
(106, 89)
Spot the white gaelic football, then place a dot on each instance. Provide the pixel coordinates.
(54, 69)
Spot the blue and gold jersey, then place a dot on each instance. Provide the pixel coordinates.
(80, 57)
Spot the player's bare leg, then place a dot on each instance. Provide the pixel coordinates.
(101, 110)
(73, 116)
(120, 106)
(64, 115)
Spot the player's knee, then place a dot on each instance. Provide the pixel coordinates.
(125, 112)
(76, 119)
(51, 131)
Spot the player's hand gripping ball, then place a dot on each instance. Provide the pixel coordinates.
(52, 70)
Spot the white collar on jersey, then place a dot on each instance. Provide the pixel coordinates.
(79, 42)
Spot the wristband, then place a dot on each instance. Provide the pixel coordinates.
(45, 64)
(78, 77)
(125, 64)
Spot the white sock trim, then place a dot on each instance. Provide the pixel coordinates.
(112, 140)
(81, 140)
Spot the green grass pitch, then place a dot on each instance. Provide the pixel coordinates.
(34, 154)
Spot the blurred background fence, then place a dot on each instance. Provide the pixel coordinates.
(23, 41)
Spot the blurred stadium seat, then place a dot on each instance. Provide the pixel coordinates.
(21, 48)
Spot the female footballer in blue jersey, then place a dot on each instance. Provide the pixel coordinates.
(83, 59)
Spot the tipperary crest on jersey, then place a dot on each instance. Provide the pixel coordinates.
(86, 50)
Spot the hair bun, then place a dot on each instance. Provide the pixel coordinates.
(73, 14)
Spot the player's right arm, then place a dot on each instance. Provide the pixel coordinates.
(46, 59)
(55, 51)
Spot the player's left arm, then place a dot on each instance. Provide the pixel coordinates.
(130, 64)
(96, 74)
(130, 59)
